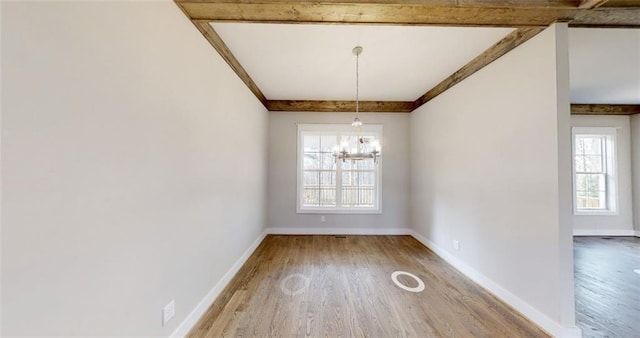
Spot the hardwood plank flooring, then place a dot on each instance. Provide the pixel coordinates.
(607, 289)
(340, 286)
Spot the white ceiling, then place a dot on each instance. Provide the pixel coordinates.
(605, 65)
(400, 63)
(315, 62)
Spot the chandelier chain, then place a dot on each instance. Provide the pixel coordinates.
(357, 84)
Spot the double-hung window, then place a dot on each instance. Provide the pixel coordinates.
(594, 168)
(327, 185)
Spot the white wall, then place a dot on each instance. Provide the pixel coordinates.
(282, 173)
(133, 167)
(635, 158)
(492, 169)
(622, 223)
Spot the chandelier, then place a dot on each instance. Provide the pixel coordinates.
(366, 147)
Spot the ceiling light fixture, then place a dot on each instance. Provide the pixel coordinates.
(365, 147)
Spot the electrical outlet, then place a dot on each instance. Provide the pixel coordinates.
(456, 244)
(168, 312)
(323, 219)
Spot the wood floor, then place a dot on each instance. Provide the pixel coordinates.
(607, 289)
(340, 286)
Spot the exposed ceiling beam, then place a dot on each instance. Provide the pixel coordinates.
(622, 3)
(340, 106)
(416, 12)
(214, 39)
(523, 13)
(502, 47)
(619, 17)
(605, 109)
(430, 3)
(591, 3)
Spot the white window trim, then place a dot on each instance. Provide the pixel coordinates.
(331, 129)
(612, 172)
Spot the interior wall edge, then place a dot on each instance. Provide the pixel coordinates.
(634, 122)
(564, 189)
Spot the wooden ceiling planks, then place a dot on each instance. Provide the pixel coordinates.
(530, 16)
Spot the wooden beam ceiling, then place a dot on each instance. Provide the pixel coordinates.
(407, 107)
(607, 18)
(592, 3)
(417, 12)
(340, 106)
(502, 47)
(214, 39)
(531, 16)
(605, 109)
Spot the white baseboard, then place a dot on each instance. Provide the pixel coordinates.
(183, 329)
(604, 232)
(338, 231)
(637, 233)
(520, 305)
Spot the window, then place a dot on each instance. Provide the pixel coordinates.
(329, 186)
(594, 179)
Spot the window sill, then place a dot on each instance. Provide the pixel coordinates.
(339, 212)
(595, 213)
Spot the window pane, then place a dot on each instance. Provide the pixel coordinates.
(328, 162)
(596, 200)
(579, 163)
(347, 178)
(358, 197)
(581, 182)
(353, 143)
(311, 197)
(311, 161)
(328, 179)
(590, 191)
(582, 198)
(319, 197)
(579, 145)
(366, 146)
(328, 142)
(366, 197)
(366, 179)
(595, 182)
(358, 189)
(328, 197)
(311, 143)
(602, 199)
(347, 165)
(311, 178)
(593, 164)
(592, 145)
